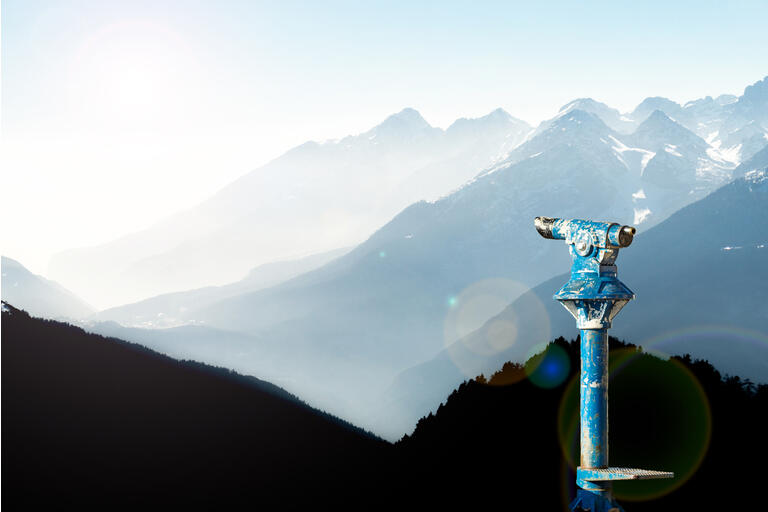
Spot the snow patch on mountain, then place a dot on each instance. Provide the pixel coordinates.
(621, 148)
(756, 176)
(641, 214)
(729, 156)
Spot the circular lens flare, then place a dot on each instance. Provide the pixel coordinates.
(491, 322)
(659, 419)
(548, 367)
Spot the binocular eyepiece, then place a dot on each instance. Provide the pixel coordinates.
(603, 234)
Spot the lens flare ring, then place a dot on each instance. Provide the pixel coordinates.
(684, 420)
(490, 322)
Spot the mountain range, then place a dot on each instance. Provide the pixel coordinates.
(315, 198)
(321, 196)
(697, 277)
(440, 270)
(179, 308)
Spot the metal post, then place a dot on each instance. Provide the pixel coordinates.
(594, 296)
(594, 398)
(593, 408)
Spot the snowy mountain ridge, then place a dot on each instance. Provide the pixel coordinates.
(320, 196)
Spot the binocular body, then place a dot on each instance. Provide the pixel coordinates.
(593, 295)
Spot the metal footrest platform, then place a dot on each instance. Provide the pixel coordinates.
(604, 474)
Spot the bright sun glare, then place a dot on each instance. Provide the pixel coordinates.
(134, 72)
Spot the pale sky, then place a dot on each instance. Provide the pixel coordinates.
(116, 114)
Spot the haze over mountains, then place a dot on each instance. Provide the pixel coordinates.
(699, 278)
(38, 295)
(180, 308)
(341, 334)
(322, 196)
(315, 198)
(439, 270)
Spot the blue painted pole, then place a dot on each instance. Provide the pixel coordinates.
(594, 296)
(593, 404)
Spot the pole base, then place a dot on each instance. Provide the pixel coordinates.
(594, 502)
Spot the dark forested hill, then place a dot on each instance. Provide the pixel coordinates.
(94, 422)
(507, 435)
(97, 423)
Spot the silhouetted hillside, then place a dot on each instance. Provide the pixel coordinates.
(93, 422)
(89, 421)
(501, 437)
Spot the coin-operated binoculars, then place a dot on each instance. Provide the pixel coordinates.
(594, 296)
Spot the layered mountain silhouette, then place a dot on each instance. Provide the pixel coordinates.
(93, 423)
(320, 196)
(440, 270)
(180, 308)
(315, 198)
(38, 295)
(734, 126)
(698, 278)
(382, 308)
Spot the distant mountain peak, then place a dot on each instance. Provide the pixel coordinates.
(657, 117)
(578, 116)
(659, 128)
(581, 103)
(726, 99)
(408, 116)
(502, 115)
(498, 119)
(499, 113)
(657, 100)
(608, 115)
(653, 103)
(573, 127)
(756, 93)
(406, 123)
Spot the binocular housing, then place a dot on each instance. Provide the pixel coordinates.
(585, 234)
